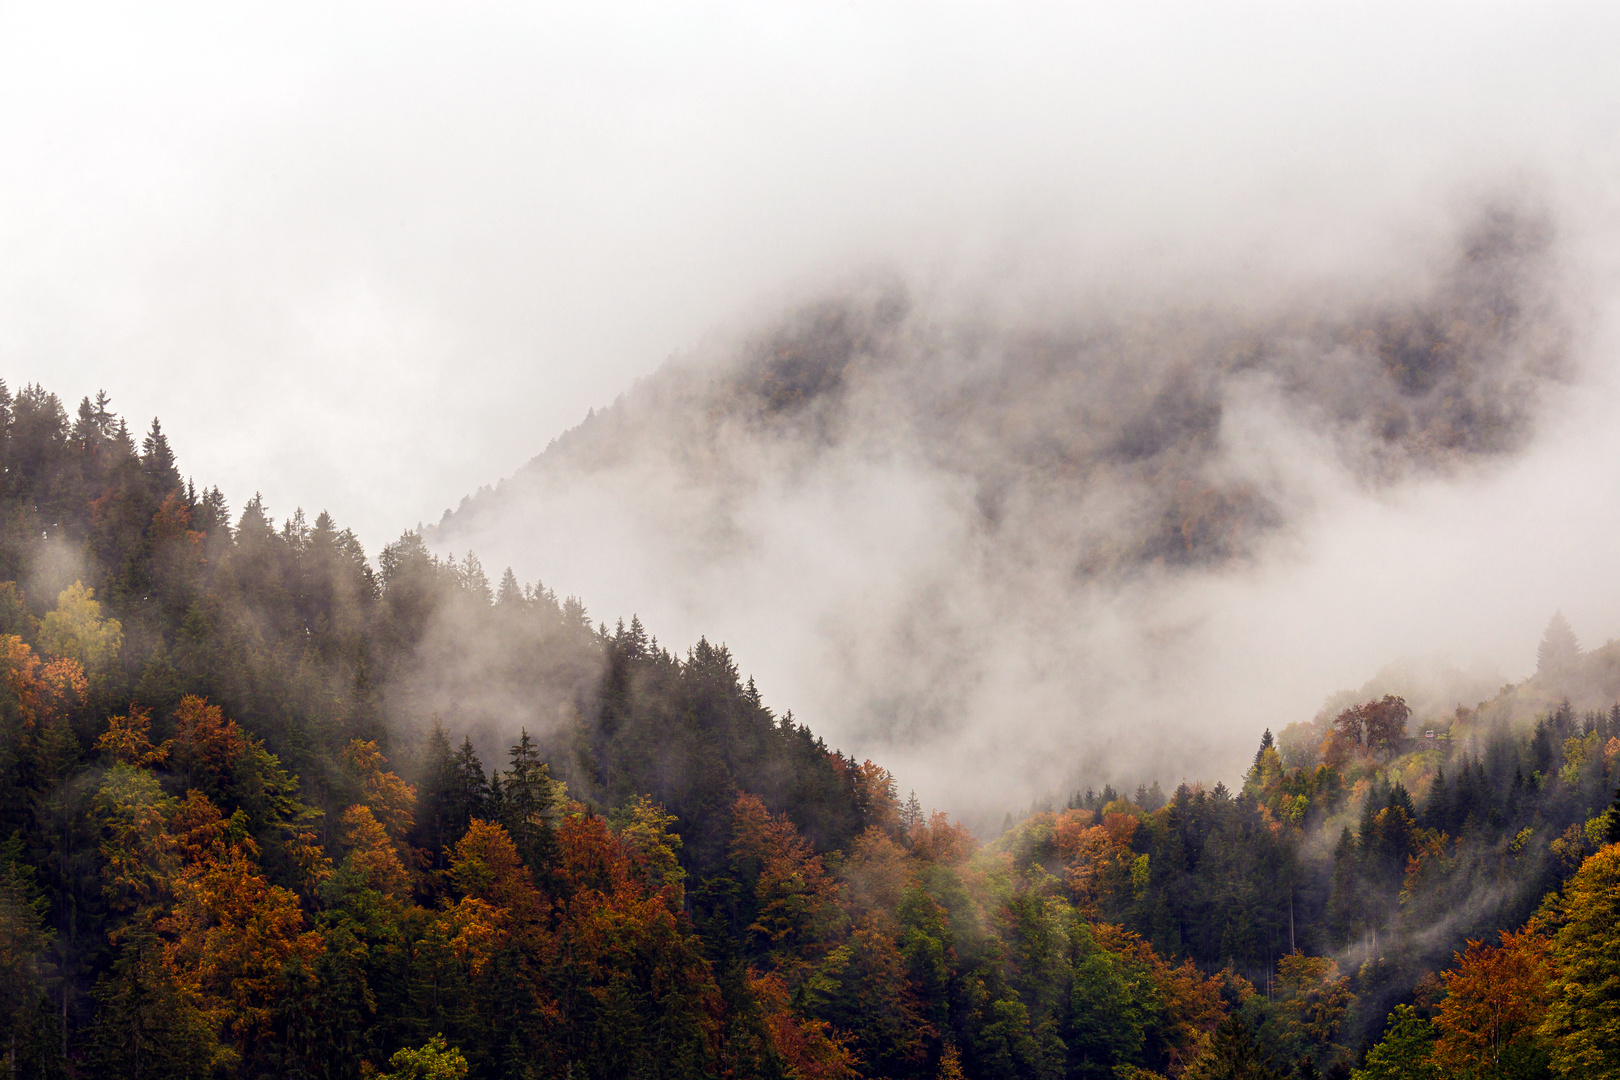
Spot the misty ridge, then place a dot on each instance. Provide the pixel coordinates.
(970, 525)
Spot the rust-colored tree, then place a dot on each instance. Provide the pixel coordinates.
(797, 916)
(1373, 727)
(1496, 997)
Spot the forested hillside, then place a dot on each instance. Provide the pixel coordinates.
(252, 826)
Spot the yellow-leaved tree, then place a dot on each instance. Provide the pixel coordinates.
(1582, 1026)
(76, 630)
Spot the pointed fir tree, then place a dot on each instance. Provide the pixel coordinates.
(530, 802)
(1434, 808)
(510, 593)
(470, 792)
(1559, 650)
(157, 461)
(911, 815)
(87, 435)
(213, 513)
(436, 795)
(105, 421)
(636, 638)
(470, 573)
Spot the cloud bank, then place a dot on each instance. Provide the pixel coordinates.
(1008, 543)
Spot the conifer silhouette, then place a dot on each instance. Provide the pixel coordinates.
(1559, 649)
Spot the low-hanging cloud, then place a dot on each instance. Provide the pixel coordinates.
(1006, 547)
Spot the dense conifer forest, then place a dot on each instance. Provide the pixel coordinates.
(271, 808)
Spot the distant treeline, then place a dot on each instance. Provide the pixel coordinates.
(246, 830)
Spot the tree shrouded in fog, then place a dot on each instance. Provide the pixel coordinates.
(1559, 649)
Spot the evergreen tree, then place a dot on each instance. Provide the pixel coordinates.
(510, 592)
(530, 801)
(1614, 818)
(1232, 1054)
(1434, 807)
(474, 581)
(158, 460)
(436, 799)
(1559, 650)
(470, 795)
(911, 815)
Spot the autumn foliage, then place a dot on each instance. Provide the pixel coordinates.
(250, 826)
(1496, 998)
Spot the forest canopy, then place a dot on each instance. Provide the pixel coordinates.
(251, 825)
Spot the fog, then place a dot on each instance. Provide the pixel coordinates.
(1009, 547)
(367, 259)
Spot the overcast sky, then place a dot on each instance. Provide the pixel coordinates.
(368, 257)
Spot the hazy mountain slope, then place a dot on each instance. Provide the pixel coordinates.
(1121, 412)
(953, 529)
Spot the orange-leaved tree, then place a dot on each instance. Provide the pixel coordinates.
(372, 857)
(1496, 997)
(941, 841)
(1100, 862)
(44, 691)
(797, 916)
(498, 930)
(877, 796)
(392, 801)
(207, 744)
(127, 739)
(633, 982)
(232, 932)
(809, 1048)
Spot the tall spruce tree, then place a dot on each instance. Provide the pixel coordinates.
(529, 803)
(1559, 650)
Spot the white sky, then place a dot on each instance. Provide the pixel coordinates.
(368, 257)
